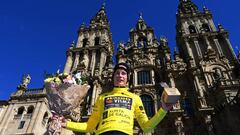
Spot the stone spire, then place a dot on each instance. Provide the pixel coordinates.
(100, 19)
(140, 16)
(187, 7)
(141, 25)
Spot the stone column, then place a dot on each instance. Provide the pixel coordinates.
(102, 60)
(202, 99)
(33, 119)
(94, 97)
(135, 78)
(212, 25)
(80, 39)
(153, 77)
(196, 82)
(207, 78)
(92, 66)
(199, 51)
(218, 47)
(206, 41)
(189, 49)
(6, 119)
(39, 117)
(69, 62)
(2, 113)
(86, 58)
(76, 61)
(230, 47)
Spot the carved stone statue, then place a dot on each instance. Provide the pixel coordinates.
(85, 58)
(121, 49)
(217, 74)
(179, 126)
(24, 84)
(25, 81)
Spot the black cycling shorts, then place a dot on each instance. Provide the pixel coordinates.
(113, 133)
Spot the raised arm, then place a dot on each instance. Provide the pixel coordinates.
(146, 124)
(92, 122)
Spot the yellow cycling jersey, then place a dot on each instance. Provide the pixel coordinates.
(116, 110)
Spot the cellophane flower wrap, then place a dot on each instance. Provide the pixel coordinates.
(65, 94)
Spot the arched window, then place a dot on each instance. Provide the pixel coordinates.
(148, 104)
(188, 111)
(98, 58)
(20, 110)
(192, 29)
(85, 41)
(19, 113)
(97, 41)
(45, 118)
(142, 42)
(144, 77)
(205, 27)
(30, 110)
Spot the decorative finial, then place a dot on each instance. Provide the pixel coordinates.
(175, 50)
(104, 4)
(73, 43)
(83, 24)
(58, 70)
(220, 27)
(141, 15)
(25, 81)
(205, 9)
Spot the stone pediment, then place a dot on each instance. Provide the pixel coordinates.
(221, 63)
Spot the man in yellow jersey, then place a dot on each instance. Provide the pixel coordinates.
(114, 112)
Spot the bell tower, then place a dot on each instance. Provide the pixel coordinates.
(92, 55)
(94, 47)
(211, 63)
(196, 32)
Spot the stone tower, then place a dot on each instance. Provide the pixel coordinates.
(92, 55)
(211, 67)
(25, 113)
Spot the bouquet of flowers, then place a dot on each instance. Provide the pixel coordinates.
(64, 97)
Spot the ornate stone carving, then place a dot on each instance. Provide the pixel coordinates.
(179, 126)
(25, 81)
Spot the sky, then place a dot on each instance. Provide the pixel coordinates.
(35, 34)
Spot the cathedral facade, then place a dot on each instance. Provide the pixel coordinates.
(203, 67)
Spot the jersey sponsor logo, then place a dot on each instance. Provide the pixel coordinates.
(125, 117)
(117, 102)
(105, 115)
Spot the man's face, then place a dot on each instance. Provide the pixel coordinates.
(120, 78)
